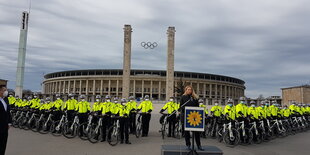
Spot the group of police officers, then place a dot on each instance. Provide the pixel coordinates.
(127, 111)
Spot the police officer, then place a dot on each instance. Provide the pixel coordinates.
(57, 107)
(171, 107)
(82, 108)
(230, 111)
(124, 121)
(146, 108)
(70, 107)
(132, 107)
(106, 114)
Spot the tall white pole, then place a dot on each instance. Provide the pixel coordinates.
(21, 54)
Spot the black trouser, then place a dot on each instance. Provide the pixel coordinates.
(82, 119)
(145, 124)
(70, 115)
(172, 121)
(57, 115)
(188, 138)
(124, 125)
(3, 141)
(132, 122)
(106, 121)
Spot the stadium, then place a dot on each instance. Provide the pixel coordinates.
(103, 82)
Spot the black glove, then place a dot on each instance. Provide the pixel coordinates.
(150, 111)
(161, 111)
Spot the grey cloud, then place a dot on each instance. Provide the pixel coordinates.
(264, 43)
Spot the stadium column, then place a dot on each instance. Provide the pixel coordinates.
(94, 90)
(101, 87)
(86, 89)
(109, 92)
(134, 88)
(159, 90)
(126, 61)
(80, 90)
(117, 85)
(151, 91)
(69, 87)
(211, 93)
(64, 87)
(74, 91)
(142, 88)
(216, 97)
(170, 63)
(204, 90)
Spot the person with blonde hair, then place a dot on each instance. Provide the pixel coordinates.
(189, 99)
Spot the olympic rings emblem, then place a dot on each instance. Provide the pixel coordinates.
(149, 45)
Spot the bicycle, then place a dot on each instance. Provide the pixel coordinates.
(257, 136)
(70, 128)
(57, 126)
(231, 136)
(245, 135)
(164, 126)
(95, 132)
(178, 128)
(45, 128)
(114, 132)
(31, 123)
(139, 126)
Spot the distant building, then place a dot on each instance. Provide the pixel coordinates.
(299, 94)
(3, 82)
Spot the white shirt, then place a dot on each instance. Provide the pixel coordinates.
(3, 103)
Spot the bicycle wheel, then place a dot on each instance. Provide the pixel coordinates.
(32, 124)
(231, 140)
(219, 133)
(54, 130)
(257, 138)
(248, 138)
(83, 131)
(69, 131)
(178, 131)
(138, 130)
(163, 131)
(22, 123)
(46, 127)
(115, 135)
(93, 134)
(14, 122)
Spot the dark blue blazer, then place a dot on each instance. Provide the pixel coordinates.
(5, 116)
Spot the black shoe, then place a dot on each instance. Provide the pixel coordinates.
(127, 142)
(169, 136)
(189, 147)
(143, 135)
(122, 142)
(103, 140)
(200, 148)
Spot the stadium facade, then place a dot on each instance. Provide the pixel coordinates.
(103, 82)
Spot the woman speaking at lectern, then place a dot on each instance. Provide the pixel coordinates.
(189, 99)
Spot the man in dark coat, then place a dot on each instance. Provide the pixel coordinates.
(5, 118)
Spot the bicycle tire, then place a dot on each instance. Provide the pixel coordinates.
(138, 130)
(228, 141)
(32, 124)
(115, 137)
(93, 136)
(53, 130)
(46, 129)
(68, 132)
(82, 127)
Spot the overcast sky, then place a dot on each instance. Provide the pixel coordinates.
(264, 43)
